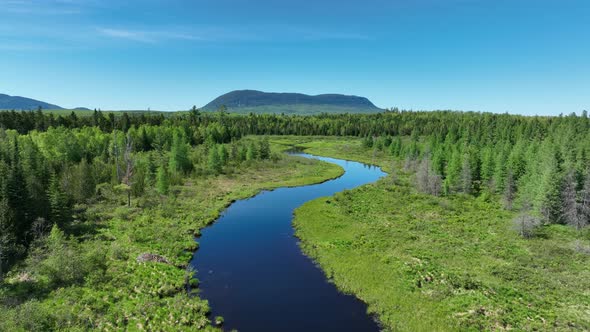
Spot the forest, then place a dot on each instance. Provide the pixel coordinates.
(82, 196)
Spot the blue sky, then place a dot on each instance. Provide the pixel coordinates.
(519, 56)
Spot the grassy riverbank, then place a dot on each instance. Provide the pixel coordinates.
(92, 279)
(426, 263)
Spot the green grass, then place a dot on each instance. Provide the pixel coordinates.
(121, 294)
(425, 263)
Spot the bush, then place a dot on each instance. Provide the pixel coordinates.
(65, 262)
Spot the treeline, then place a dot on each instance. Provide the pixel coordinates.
(44, 175)
(479, 126)
(48, 164)
(540, 166)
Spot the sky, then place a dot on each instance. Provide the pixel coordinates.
(516, 56)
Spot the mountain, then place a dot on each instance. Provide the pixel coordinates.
(246, 101)
(21, 103)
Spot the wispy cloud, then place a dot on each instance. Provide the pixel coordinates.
(147, 36)
(126, 34)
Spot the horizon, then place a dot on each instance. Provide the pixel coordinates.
(522, 58)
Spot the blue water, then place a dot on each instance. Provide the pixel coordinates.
(253, 273)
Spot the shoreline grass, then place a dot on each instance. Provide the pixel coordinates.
(426, 263)
(125, 294)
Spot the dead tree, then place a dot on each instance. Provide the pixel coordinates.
(526, 224)
(426, 180)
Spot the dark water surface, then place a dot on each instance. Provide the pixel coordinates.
(254, 274)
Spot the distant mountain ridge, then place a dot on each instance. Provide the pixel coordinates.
(273, 102)
(21, 103)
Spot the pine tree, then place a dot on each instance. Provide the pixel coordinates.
(509, 191)
(453, 173)
(570, 207)
(242, 153)
(264, 148)
(550, 190)
(368, 142)
(162, 180)
(85, 183)
(223, 155)
(145, 143)
(60, 212)
(252, 153)
(7, 236)
(179, 161)
(17, 195)
(213, 161)
(395, 149)
(585, 201)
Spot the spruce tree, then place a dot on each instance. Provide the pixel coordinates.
(162, 180)
(252, 153)
(570, 207)
(60, 212)
(179, 160)
(223, 155)
(264, 150)
(213, 160)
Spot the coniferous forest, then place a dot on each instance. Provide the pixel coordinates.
(85, 200)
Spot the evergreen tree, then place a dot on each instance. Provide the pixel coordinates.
(550, 190)
(214, 161)
(223, 155)
(453, 173)
(509, 191)
(162, 180)
(264, 150)
(85, 183)
(179, 160)
(145, 143)
(242, 153)
(585, 200)
(60, 212)
(466, 176)
(7, 235)
(570, 208)
(252, 153)
(395, 149)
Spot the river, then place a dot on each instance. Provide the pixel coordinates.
(253, 273)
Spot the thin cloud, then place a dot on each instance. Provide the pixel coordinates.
(148, 36)
(138, 36)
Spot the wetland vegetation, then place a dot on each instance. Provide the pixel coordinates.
(480, 224)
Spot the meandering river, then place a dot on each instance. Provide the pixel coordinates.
(253, 273)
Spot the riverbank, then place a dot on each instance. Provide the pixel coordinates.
(115, 291)
(251, 249)
(425, 263)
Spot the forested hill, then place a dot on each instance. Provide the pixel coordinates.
(21, 103)
(246, 101)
